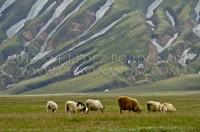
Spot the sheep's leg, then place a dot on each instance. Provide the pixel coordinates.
(74, 112)
(48, 108)
(67, 112)
(120, 111)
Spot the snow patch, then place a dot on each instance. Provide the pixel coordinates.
(152, 7)
(56, 14)
(160, 48)
(51, 6)
(197, 9)
(186, 56)
(49, 62)
(12, 57)
(78, 71)
(150, 23)
(10, 85)
(58, 11)
(56, 28)
(5, 5)
(99, 14)
(83, 42)
(196, 30)
(40, 55)
(35, 9)
(53, 31)
(171, 18)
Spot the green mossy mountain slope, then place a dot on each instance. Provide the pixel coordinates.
(123, 56)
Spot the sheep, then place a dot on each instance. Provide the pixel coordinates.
(153, 106)
(167, 107)
(81, 107)
(71, 107)
(51, 105)
(75, 106)
(92, 104)
(127, 103)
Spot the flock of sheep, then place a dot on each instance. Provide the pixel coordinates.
(76, 106)
(124, 102)
(127, 103)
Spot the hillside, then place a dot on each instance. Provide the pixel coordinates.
(64, 46)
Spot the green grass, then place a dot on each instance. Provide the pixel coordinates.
(101, 76)
(164, 26)
(28, 113)
(182, 83)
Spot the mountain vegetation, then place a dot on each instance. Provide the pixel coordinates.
(75, 46)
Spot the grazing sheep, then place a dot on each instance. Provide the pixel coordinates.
(75, 106)
(71, 107)
(81, 107)
(51, 106)
(167, 107)
(127, 103)
(153, 106)
(92, 104)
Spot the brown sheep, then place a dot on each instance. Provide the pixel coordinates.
(127, 103)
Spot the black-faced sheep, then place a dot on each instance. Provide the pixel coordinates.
(51, 106)
(127, 103)
(153, 106)
(167, 108)
(92, 104)
(81, 107)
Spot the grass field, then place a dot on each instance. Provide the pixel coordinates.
(28, 113)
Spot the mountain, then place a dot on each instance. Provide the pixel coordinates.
(77, 46)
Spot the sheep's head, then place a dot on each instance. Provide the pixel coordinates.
(139, 109)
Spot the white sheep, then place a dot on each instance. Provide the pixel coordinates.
(167, 107)
(153, 106)
(51, 105)
(75, 106)
(71, 107)
(92, 104)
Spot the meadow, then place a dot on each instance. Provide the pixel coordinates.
(28, 113)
